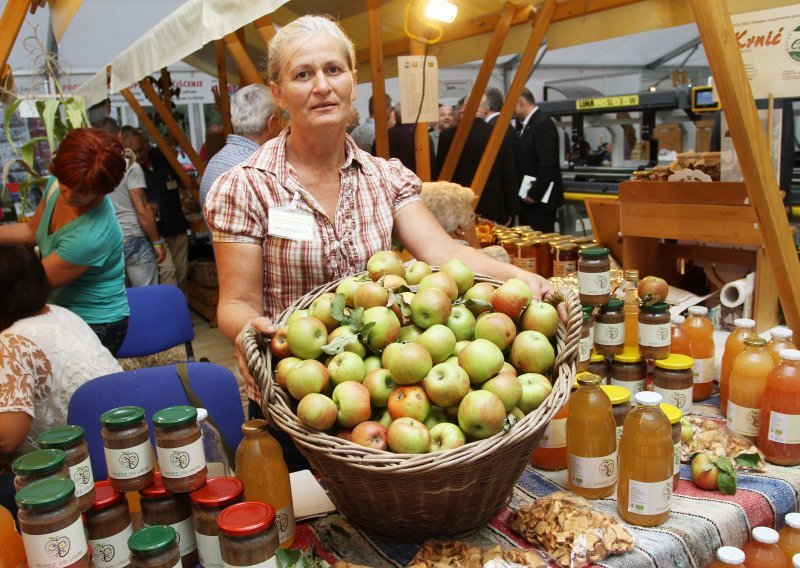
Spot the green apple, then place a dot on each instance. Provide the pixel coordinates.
(282, 368)
(385, 418)
(460, 345)
(441, 281)
(392, 282)
(321, 309)
(481, 414)
(511, 298)
(386, 328)
(462, 323)
(507, 388)
(317, 411)
(306, 337)
(352, 403)
(371, 363)
(297, 314)
(347, 287)
(446, 384)
(439, 340)
(481, 293)
(497, 328)
(354, 345)
(436, 416)
(346, 366)
(380, 385)
(408, 363)
(430, 306)
(541, 317)
(535, 389)
(409, 436)
(416, 272)
(409, 401)
(532, 352)
(461, 274)
(369, 295)
(446, 436)
(481, 359)
(385, 262)
(410, 332)
(305, 377)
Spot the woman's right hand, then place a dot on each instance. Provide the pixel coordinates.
(267, 329)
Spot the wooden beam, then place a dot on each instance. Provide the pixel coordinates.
(475, 96)
(578, 8)
(730, 79)
(166, 96)
(540, 25)
(379, 111)
(222, 78)
(422, 141)
(173, 128)
(264, 28)
(247, 69)
(10, 24)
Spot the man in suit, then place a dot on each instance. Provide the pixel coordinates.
(537, 157)
(491, 104)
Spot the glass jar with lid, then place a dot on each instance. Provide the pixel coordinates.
(594, 276)
(208, 502)
(37, 465)
(163, 507)
(585, 342)
(598, 365)
(526, 254)
(565, 258)
(674, 416)
(126, 444)
(654, 331)
(672, 379)
(155, 547)
(609, 328)
(247, 534)
(544, 258)
(70, 439)
(108, 524)
(179, 449)
(628, 370)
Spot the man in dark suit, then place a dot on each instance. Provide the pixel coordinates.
(537, 157)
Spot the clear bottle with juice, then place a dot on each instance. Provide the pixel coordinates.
(728, 557)
(742, 328)
(260, 466)
(780, 338)
(12, 551)
(551, 453)
(762, 550)
(631, 308)
(779, 431)
(646, 463)
(789, 537)
(591, 441)
(679, 337)
(701, 343)
(748, 381)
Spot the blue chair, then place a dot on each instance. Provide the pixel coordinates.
(159, 320)
(154, 389)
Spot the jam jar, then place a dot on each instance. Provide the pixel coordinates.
(609, 328)
(126, 444)
(70, 439)
(654, 331)
(208, 502)
(248, 535)
(674, 416)
(565, 258)
(594, 276)
(585, 342)
(672, 379)
(108, 524)
(628, 371)
(37, 465)
(179, 449)
(155, 547)
(598, 365)
(161, 506)
(544, 258)
(620, 405)
(50, 524)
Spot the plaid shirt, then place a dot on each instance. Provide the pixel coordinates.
(372, 191)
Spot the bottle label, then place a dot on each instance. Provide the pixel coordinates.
(703, 370)
(676, 449)
(651, 335)
(187, 542)
(784, 428)
(609, 333)
(649, 498)
(269, 563)
(129, 463)
(182, 461)
(81, 475)
(112, 551)
(679, 398)
(743, 420)
(593, 473)
(594, 283)
(284, 520)
(208, 550)
(632, 386)
(555, 434)
(584, 349)
(564, 267)
(56, 549)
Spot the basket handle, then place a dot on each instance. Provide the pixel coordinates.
(258, 363)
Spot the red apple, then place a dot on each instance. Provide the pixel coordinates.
(462, 323)
(535, 389)
(652, 290)
(320, 308)
(531, 352)
(352, 402)
(307, 336)
(704, 471)
(481, 414)
(282, 368)
(446, 436)
(371, 435)
(408, 363)
(439, 341)
(380, 385)
(408, 436)
(409, 401)
(481, 294)
(279, 344)
(416, 272)
(346, 366)
(481, 359)
(541, 317)
(511, 298)
(507, 388)
(497, 328)
(369, 295)
(429, 307)
(344, 434)
(385, 262)
(461, 274)
(305, 377)
(446, 384)
(317, 411)
(386, 328)
(441, 281)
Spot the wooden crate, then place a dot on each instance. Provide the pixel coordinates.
(204, 301)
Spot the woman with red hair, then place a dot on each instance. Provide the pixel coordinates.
(78, 234)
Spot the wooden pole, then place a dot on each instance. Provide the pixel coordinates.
(471, 106)
(422, 141)
(265, 28)
(166, 96)
(379, 111)
(730, 78)
(10, 24)
(247, 70)
(540, 25)
(222, 78)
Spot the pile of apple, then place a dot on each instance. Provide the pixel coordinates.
(416, 361)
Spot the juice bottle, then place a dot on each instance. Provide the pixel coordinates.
(701, 343)
(762, 550)
(591, 441)
(12, 551)
(679, 337)
(748, 381)
(779, 338)
(779, 432)
(551, 453)
(260, 466)
(734, 345)
(728, 557)
(631, 308)
(789, 537)
(646, 463)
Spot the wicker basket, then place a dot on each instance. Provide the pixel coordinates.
(204, 272)
(410, 497)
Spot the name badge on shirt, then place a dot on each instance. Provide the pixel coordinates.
(291, 223)
(172, 184)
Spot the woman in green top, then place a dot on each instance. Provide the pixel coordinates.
(78, 234)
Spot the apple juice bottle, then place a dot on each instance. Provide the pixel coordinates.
(728, 557)
(762, 550)
(742, 328)
(748, 381)
(779, 431)
(789, 537)
(551, 453)
(780, 338)
(591, 441)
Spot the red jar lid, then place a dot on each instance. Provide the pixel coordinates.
(218, 492)
(105, 495)
(156, 490)
(245, 519)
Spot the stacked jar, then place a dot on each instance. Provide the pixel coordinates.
(161, 506)
(609, 328)
(673, 381)
(629, 371)
(248, 535)
(108, 524)
(41, 464)
(208, 502)
(70, 440)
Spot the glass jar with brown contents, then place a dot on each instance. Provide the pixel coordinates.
(565, 258)
(179, 448)
(37, 465)
(654, 331)
(155, 547)
(598, 365)
(70, 440)
(594, 276)
(126, 444)
(674, 416)
(585, 342)
(247, 534)
(620, 405)
(163, 507)
(208, 502)
(526, 254)
(108, 524)
(544, 258)
(609, 328)
(629, 371)
(672, 379)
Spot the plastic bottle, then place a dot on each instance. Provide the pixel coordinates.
(216, 458)
(591, 441)
(779, 338)
(748, 381)
(728, 557)
(646, 463)
(734, 345)
(12, 551)
(679, 338)
(631, 308)
(260, 466)
(779, 432)
(701, 343)
(762, 550)
(789, 537)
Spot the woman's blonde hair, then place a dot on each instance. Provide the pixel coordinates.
(283, 44)
(451, 204)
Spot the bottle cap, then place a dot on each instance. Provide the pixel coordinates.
(60, 437)
(793, 520)
(202, 414)
(628, 355)
(677, 320)
(613, 304)
(218, 492)
(755, 341)
(152, 539)
(675, 362)
(632, 274)
(673, 413)
(45, 493)
(765, 535)
(596, 358)
(248, 518)
(730, 555)
(698, 310)
(105, 495)
(790, 354)
(175, 416)
(122, 416)
(648, 398)
(781, 332)
(616, 394)
(589, 379)
(655, 308)
(40, 462)
(594, 252)
(744, 323)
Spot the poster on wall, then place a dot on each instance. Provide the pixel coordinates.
(769, 41)
(419, 94)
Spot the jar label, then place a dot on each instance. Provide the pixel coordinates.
(649, 498)
(743, 420)
(182, 461)
(654, 335)
(679, 398)
(555, 434)
(564, 267)
(208, 550)
(81, 475)
(609, 333)
(631, 386)
(56, 549)
(584, 349)
(129, 463)
(593, 473)
(528, 264)
(187, 543)
(111, 551)
(676, 450)
(619, 434)
(594, 283)
(284, 520)
(784, 428)
(269, 563)
(703, 370)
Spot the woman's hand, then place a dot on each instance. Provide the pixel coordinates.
(541, 289)
(267, 329)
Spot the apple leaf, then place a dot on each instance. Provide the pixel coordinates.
(749, 460)
(355, 319)
(338, 307)
(726, 465)
(405, 309)
(288, 557)
(726, 483)
(477, 303)
(339, 344)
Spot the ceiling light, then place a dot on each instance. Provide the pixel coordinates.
(653, 89)
(441, 10)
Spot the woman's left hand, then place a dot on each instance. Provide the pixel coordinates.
(541, 289)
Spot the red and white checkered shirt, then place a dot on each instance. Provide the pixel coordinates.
(372, 191)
